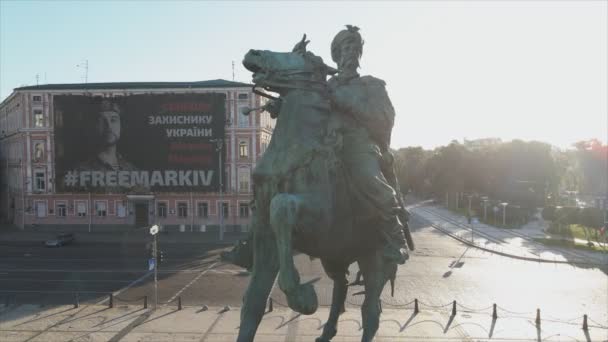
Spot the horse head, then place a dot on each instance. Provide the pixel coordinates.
(282, 71)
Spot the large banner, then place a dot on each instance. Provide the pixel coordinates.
(138, 143)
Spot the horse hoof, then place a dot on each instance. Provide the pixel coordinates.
(303, 299)
(327, 335)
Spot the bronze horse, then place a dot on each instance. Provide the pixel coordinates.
(302, 201)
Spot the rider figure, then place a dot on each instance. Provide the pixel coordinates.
(367, 116)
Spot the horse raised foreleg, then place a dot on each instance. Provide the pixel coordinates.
(338, 274)
(283, 219)
(372, 267)
(265, 267)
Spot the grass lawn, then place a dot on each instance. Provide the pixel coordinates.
(575, 231)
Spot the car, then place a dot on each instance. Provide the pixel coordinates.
(60, 240)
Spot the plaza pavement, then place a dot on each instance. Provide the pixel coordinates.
(133, 323)
(167, 323)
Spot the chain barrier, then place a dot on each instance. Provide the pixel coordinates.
(11, 299)
(474, 310)
(129, 300)
(555, 319)
(516, 313)
(435, 306)
(396, 305)
(597, 325)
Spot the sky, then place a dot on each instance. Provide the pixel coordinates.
(531, 70)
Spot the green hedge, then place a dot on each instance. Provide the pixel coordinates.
(590, 217)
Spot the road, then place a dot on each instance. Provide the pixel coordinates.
(440, 271)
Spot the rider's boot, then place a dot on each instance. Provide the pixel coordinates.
(395, 249)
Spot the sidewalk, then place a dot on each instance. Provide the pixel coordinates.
(133, 323)
(516, 243)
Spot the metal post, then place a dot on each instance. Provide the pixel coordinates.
(537, 321)
(469, 204)
(585, 326)
(90, 213)
(111, 300)
(494, 313)
(155, 274)
(504, 214)
(454, 308)
(270, 306)
(179, 303)
(416, 309)
(76, 304)
(145, 302)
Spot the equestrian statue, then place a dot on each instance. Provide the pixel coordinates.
(325, 186)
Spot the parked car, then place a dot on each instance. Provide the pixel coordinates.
(60, 240)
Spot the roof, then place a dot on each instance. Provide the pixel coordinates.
(219, 83)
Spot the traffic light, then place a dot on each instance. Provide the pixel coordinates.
(161, 257)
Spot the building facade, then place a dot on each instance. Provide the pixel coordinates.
(28, 153)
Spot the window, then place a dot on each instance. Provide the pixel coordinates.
(121, 210)
(243, 119)
(38, 118)
(243, 96)
(38, 151)
(182, 209)
(243, 150)
(161, 208)
(40, 209)
(39, 181)
(203, 209)
(225, 209)
(81, 208)
(37, 98)
(101, 209)
(243, 210)
(61, 210)
(244, 176)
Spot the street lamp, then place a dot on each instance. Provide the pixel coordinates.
(485, 207)
(220, 148)
(504, 212)
(153, 232)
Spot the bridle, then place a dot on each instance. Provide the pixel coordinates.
(299, 84)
